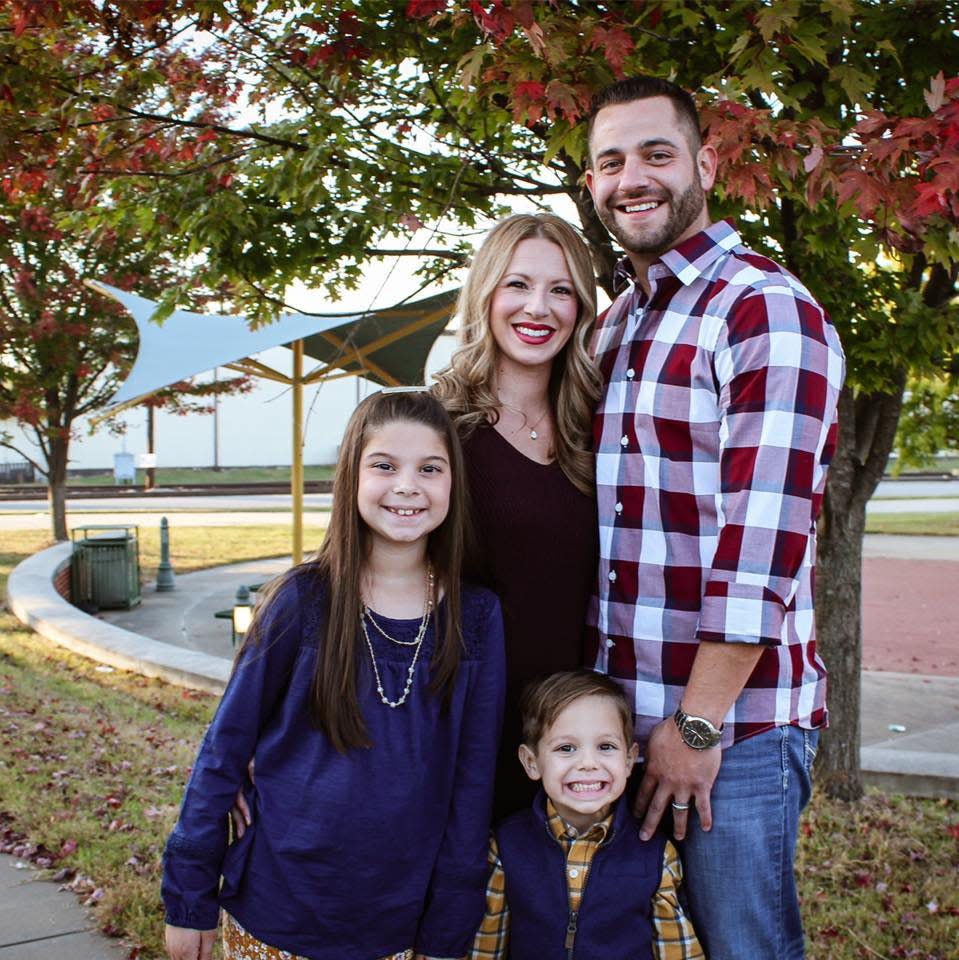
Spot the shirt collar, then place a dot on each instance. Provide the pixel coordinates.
(687, 261)
(561, 830)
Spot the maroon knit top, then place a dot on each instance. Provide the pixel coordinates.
(537, 547)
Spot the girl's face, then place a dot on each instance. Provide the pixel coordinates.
(534, 307)
(404, 482)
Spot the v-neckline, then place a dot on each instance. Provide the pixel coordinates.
(519, 453)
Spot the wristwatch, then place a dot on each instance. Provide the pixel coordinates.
(697, 732)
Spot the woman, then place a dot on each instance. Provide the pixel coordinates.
(522, 391)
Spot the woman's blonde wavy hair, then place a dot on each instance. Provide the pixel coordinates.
(467, 387)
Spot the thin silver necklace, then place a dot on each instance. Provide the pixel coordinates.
(427, 609)
(533, 435)
(417, 644)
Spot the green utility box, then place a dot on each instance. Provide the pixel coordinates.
(105, 567)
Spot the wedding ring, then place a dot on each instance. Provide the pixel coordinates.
(679, 806)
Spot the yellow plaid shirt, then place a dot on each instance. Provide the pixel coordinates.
(673, 934)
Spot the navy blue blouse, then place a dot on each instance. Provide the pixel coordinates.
(359, 854)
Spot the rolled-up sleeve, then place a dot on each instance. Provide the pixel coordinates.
(779, 368)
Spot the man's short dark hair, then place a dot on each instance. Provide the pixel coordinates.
(544, 700)
(643, 87)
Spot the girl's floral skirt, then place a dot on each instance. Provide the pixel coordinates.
(238, 944)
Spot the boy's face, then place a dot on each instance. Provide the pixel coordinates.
(584, 759)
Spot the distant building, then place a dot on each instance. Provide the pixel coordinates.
(252, 429)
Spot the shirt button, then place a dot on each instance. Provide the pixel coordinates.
(618, 508)
(573, 873)
(630, 373)
(610, 643)
(612, 575)
(624, 442)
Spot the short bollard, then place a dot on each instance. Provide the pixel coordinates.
(165, 576)
(242, 614)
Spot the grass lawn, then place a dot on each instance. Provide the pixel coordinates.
(180, 476)
(914, 524)
(93, 762)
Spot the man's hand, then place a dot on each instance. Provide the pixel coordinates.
(240, 812)
(185, 944)
(675, 772)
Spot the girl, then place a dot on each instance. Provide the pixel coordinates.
(522, 390)
(370, 694)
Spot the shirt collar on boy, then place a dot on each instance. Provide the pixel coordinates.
(565, 832)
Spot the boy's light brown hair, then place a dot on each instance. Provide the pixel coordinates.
(544, 700)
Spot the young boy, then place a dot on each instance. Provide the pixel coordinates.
(619, 899)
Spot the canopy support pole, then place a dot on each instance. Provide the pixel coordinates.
(296, 472)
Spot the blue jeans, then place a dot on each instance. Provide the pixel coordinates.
(739, 877)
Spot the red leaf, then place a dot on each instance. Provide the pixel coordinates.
(813, 159)
(528, 97)
(562, 99)
(616, 45)
(498, 21)
(411, 221)
(420, 9)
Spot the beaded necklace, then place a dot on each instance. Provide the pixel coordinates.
(416, 643)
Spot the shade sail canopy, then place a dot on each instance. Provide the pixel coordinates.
(387, 346)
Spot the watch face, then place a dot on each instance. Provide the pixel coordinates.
(699, 734)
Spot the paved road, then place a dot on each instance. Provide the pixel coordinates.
(892, 496)
(917, 488)
(161, 501)
(918, 505)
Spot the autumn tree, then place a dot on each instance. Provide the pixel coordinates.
(64, 348)
(295, 141)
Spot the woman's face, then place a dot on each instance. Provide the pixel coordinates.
(534, 307)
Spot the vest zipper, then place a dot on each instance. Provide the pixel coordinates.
(572, 922)
(571, 933)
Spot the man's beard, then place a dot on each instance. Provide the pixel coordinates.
(683, 211)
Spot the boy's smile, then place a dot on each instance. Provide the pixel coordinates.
(584, 759)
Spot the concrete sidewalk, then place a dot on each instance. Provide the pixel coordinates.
(39, 922)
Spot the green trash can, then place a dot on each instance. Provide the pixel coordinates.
(105, 567)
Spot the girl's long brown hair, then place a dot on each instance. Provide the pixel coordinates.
(467, 387)
(338, 564)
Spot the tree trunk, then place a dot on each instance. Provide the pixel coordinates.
(56, 486)
(867, 430)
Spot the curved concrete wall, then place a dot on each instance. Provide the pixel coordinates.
(32, 599)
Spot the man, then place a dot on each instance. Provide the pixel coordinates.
(713, 436)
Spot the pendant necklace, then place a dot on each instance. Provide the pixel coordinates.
(416, 643)
(533, 434)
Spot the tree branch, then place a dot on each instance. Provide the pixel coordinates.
(446, 254)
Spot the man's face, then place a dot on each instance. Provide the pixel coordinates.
(648, 186)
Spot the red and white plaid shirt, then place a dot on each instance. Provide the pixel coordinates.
(712, 440)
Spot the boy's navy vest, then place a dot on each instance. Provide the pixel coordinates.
(614, 921)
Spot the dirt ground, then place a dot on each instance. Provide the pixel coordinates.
(911, 616)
